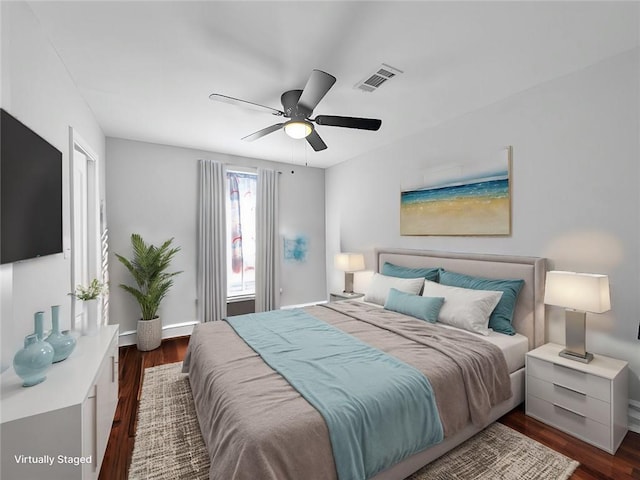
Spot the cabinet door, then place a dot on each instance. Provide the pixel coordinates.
(89, 435)
(106, 400)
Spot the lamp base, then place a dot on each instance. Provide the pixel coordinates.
(348, 282)
(575, 337)
(576, 356)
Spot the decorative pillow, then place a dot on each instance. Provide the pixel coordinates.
(502, 316)
(464, 308)
(405, 272)
(424, 308)
(381, 284)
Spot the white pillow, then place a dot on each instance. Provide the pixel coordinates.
(381, 284)
(464, 308)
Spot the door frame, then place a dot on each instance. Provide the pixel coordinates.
(94, 260)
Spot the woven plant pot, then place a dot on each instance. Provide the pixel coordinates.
(149, 334)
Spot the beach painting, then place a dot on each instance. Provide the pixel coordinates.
(460, 199)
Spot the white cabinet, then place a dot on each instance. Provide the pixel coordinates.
(586, 400)
(59, 429)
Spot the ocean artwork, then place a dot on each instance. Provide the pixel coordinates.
(466, 199)
(296, 249)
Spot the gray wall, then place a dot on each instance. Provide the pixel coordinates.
(152, 190)
(37, 90)
(575, 190)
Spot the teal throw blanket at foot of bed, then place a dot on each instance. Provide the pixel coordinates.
(378, 409)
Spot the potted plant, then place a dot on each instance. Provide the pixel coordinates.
(148, 267)
(89, 296)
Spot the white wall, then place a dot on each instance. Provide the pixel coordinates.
(37, 90)
(152, 190)
(575, 190)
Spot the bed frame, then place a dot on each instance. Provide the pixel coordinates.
(528, 320)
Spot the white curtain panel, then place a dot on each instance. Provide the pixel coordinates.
(212, 241)
(267, 242)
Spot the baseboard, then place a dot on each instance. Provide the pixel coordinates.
(168, 331)
(182, 329)
(634, 416)
(302, 305)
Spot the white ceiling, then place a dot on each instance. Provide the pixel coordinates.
(146, 69)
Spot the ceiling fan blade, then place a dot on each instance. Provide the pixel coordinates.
(316, 142)
(263, 132)
(244, 103)
(349, 122)
(316, 88)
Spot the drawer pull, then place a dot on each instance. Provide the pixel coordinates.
(569, 410)
(570, 389)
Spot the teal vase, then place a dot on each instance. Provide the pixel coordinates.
(62, 342)
(38, 321)
(32, 362)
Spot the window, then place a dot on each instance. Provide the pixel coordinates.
(241, 233)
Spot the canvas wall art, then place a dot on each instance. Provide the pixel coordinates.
(296, 249)
(472, 198)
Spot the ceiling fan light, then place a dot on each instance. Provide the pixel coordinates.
(298, 129)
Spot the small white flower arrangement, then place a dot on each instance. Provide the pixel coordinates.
(93, 291)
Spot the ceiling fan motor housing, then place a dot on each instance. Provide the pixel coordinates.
(291, 108)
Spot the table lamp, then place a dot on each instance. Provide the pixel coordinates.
(349, 263)
(579, 293)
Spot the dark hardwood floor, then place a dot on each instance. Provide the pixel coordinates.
(595, 464)
(117, 458)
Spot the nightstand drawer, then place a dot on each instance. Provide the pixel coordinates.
(582, 427)
(591, 385)
(585, 405)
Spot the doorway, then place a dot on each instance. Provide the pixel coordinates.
(86, 254)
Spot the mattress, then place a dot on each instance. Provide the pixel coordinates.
(514, 347)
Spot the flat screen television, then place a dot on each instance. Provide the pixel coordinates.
(30, 193)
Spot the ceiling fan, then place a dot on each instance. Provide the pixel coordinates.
(298, 106)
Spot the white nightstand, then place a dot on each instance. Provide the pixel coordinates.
(586, 400)
(337, 297)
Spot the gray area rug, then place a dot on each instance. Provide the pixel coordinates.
(169, 444)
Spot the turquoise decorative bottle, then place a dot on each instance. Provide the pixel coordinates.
(62, 342)
(32, 362)
(38, 321)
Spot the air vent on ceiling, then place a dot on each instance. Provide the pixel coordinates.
(373, 81)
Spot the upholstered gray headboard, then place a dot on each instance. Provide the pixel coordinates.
(529, 313)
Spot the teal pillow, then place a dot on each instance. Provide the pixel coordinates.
(392, 270)
(502, 316)
(424, 308)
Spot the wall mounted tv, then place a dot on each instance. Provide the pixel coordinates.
(30, 193)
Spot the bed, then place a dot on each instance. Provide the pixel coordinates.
(256, 425)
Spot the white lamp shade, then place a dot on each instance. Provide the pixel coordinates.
(586, 292)
(349, 262)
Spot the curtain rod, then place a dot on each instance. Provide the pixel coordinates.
(227, 164)
(250, 168)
